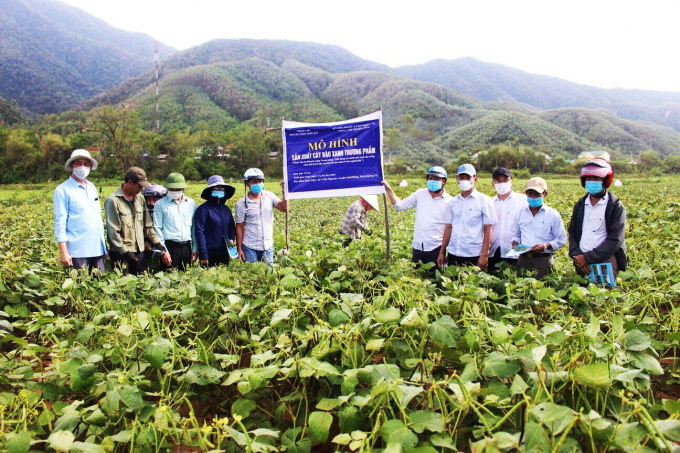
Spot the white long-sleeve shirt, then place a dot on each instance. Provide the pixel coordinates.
(467, 217)
(428, 231)
(594, 227)
(506, 210)
(544, 227)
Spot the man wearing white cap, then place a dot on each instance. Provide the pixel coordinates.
(540, 227)
(355, 220)
(78, 224)
(469, 220)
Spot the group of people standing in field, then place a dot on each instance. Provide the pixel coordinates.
(473, 229)
(144, 219)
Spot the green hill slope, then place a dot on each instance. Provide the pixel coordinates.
(54, 56)
(499, 83)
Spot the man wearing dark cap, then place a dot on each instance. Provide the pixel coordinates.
(128, 223)
(507, 203)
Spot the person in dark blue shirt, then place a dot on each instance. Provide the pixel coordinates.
(214, 223)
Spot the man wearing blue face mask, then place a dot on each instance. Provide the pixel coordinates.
(255, 219)
(430, 204)
(214, 223)
(597, 230)
(540, 227)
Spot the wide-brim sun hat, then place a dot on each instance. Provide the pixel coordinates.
(372, 200)
(218, 181)
(80, 154)
(175, 181)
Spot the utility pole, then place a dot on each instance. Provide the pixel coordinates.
(158, 120)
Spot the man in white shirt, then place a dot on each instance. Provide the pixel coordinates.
(597, 230)
(540, 227)
(469, 220)
(430, 204)
(506, 204)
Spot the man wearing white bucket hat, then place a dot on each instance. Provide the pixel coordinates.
(78, 224)
(355, 221)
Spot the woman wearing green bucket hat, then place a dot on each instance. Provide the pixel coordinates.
(174, 222)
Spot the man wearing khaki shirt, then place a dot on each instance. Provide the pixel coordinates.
(128, 223)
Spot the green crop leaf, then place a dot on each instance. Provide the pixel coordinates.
(320, 425)
(202, 375)
(243, 407)
(19, 443)
(420, 421)
(61, 440)
(131, 397)
(646, 362)
(595, 375)
(637, 341)
(85, 447)
(413, 319)
(386, 315)
(554, 416)
(445, 331)
(157, 352)
(396, 433)
(670, 428)
(280, 315)
(500, 365)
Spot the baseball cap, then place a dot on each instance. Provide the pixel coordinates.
(537, 184)
(136, 174)
(467, 169)
(501, 171)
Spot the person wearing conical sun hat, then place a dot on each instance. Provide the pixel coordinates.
(214, 224)
(173, 219)
(355, 221)
(78, 224)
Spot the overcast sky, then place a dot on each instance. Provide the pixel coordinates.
(628, 44)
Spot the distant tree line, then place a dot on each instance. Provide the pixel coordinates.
(37, 153)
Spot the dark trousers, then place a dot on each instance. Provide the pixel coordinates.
(180, 254)
(421, 256)
(90, 264)
(542, 262)
(134, 268)
(454, 260)
(496, 259)
(215, 259)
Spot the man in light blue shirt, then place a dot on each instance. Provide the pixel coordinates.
(173, 219)
(539, 227)
(78, 224)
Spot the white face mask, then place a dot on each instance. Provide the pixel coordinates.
(503, 187)
(81, 172)
(175, 194)
(465, 185)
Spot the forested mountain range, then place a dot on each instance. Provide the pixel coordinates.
(499, 83)
(226, 82)
(54, 56)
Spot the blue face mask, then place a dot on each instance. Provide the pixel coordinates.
(535, 202)
(257, 188)
(594, 187)
(434, 185)
(218, 194)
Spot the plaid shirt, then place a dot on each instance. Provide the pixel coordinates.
(354, 221)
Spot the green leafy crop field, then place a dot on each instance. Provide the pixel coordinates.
(334, 349)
